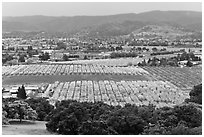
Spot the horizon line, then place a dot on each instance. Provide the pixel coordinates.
(107, 14)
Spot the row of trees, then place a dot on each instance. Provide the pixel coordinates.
(123, 54)
(44, 56)
(172, 61)
(188, 56)
(160, 62)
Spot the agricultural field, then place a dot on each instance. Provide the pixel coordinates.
(184, 78)
(18, 70)
(159, 93)
(161, 86)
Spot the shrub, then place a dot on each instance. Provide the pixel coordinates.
(183, 130)
(42, 107)
(126, 120)
(72, 117)
(4, 116)
(20, 110)
(96, 127)
(196, 94)
(188, 113)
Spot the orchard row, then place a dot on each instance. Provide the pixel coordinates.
(159, 93)
(69, 69)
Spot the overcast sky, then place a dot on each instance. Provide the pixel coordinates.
(90, 8)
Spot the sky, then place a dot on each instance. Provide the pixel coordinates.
(91, 8)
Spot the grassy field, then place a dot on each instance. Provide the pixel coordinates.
(13, 80)
(25, 128)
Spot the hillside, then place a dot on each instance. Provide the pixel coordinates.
(121, 24)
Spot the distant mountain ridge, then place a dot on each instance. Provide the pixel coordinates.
(120, 24)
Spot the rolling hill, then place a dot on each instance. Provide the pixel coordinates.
(113, 25)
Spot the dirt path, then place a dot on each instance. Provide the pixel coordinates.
(25, 128)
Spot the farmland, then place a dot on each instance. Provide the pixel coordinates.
(17, 70)
(161, 86)
(159, 93)
(184, 78)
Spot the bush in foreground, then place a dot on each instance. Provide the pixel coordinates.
(19, 110)
(72, 117)
(42, 107)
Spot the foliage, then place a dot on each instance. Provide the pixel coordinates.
(44, 56)
(183, 130)
(163, 52)
(154, 49)
(4, 116)
(196, 94)
(21, 58)
(95, 118)
(123, 54)
(171, 61)
(42, 107)
(72, 117)
(188, 56)
(20, 110)
(95, 127)
(182, 119)
(69, 115)
(65, 57)
(6, 57)
(189, 63)
(61, 45)
(126, 124)
(85, 57)
(188, 113)
(31, 51)
(21, 93)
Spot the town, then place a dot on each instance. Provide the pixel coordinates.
(17, 50)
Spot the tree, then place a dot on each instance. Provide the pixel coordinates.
(20, 110)
(85, 57)
(42, 107)
(44, 56)
(154, 49)
(47, 56)
(96, 127)
(189, 113)
(163, 62)
(4, 115)
(189, 63)
(61, 45)
(65, 57)
(139, 48)
(119, 48)
(21, 93)
(21, 58)
(196, 94)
